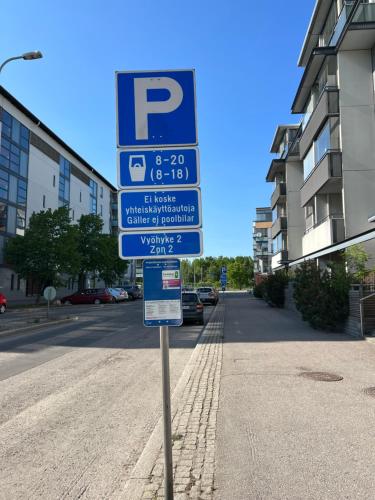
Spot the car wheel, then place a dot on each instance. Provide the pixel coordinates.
(97, 301)
(3, 308)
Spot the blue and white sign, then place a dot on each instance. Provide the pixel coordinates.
(153, 245)
(162, 292)
(156, 108)
(158, 167)
(158, 210)
(223, 269)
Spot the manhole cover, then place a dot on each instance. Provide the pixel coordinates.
(322, 376)
(370, 391)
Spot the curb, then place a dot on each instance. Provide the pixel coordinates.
(134, 486)
(14, 331)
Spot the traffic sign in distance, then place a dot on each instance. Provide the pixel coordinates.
(158, 210)
(162, 292)
(146, 245)
(158, 167)
(156, 108)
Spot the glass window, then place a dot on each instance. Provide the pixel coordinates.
(93, 196)
(308, 163)
(4, 184)
(64, 182)
(3, 217)
(101, 192)
(21, 192)
(20, 222)
(323, 143)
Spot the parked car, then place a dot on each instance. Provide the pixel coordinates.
(89, 296)
(119, 294)
(133, 291)
(192, 307)
(208, 295)
(3, 303)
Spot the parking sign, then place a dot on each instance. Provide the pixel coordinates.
(156, 108)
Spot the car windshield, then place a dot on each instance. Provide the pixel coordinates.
(204, 290)
(189, 297)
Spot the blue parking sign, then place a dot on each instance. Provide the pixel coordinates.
(156, 108)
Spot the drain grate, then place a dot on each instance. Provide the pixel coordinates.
(322, 376)
(370, 391)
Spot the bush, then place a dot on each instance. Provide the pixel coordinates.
(258, 290)
(322, 297)
(275, 288)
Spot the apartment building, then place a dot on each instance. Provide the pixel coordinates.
(324, 173)
(39, 171)
(262, 240)
(286, 173)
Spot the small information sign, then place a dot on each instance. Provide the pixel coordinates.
(162, 292)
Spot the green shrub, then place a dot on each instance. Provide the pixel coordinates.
(322, 296)
(275, 288)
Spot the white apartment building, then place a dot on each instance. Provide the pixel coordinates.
(39, 171)
(336, 138)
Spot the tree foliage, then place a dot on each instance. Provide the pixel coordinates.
(47, 250)
(322, 296)
(274, 288)
(357, 260)
(207, 271)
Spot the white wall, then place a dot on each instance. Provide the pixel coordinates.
(357, 138)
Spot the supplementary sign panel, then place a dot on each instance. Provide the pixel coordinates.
(158, 167)
(160, 210)
(153, 245)
(162, 292)
(156, 108)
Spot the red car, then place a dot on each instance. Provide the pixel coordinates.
(89, 296)
(3, 303)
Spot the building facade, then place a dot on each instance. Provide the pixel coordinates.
(335, 165)
(262, 240)
(286, 174)
(39, 171)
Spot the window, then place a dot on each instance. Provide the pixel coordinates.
(64, 182)
(20, 221)
(101, 210)
(80, 196)
(279, 243)
(44, 201)
(4, 184)
(93, 196)
(54, 181)
(21, 192)
(101, 191)
(323, 143)
(3, 217)
(72, 214)
(308, 163)
(14, 152)
(12, 281)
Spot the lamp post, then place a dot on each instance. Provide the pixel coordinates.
(27, 56)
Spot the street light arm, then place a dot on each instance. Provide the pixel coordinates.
(8, 60)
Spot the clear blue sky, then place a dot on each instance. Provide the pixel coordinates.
(245, 55)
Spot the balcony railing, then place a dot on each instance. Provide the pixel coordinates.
(327, 173)
(280, 224)
(326, 232)
(279, 192)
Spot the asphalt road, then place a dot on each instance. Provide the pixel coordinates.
(80, 400)
(281, 433)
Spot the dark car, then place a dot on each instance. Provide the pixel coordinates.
(89, 296)
(3, 303)
(192, 307)
(208, 295)
(134, 291)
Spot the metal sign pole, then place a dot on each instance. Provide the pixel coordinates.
(168, 464)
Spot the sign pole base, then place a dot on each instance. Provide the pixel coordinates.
(168, 464)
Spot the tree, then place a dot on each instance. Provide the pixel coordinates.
(240, 272)
(89, 233)
(110, 268)
(357, 258)
(47, 250)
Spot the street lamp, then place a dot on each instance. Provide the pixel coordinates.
(27, 56)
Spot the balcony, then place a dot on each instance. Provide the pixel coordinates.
(279, 259)
(280, 224)
(325, 178)
(327, 232)
(328, 105)
(279, 194)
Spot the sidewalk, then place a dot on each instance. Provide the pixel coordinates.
(194, 410)
(281, 432)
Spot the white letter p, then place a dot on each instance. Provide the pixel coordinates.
(143, 107)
